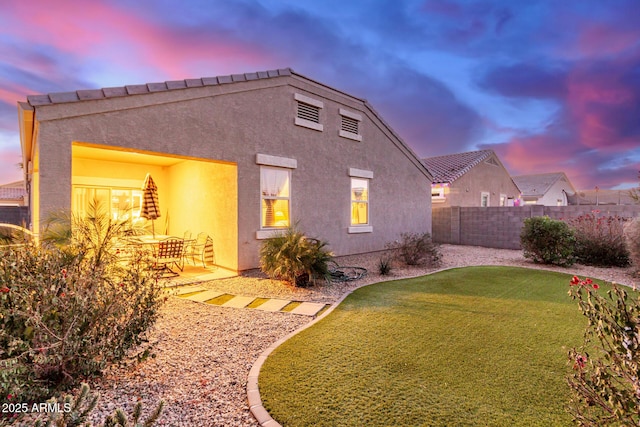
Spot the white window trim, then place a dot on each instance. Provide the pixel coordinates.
(350, 135)
(364, 228)
(307, 123)
(275, 162)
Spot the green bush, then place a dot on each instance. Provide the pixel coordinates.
(604, 380)
(68, 311)
(600, 240)
(547, 241)
(295, 258)
(416, 249)
(632, 240)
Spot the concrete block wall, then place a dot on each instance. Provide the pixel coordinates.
(500, 227)
(16, 215)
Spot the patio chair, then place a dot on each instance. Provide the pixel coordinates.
(169, 253)
(199, 248)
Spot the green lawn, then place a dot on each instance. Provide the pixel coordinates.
(470, 346)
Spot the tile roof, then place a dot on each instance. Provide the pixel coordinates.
(537, 185)
(446, 169)
(113, 92)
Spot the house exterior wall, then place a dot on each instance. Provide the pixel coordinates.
(233, 124)
(484, 177)
(555, 196)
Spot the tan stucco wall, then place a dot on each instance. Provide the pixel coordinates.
(257, 118)
(484, 177)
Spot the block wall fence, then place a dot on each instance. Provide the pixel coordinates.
(499, 227)
(16, 215)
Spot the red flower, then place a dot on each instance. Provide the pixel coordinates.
(575, 280)
(9, 396)
(596, 286)
(64, 273)
(62, 295)
(580, 363)
(4, 290)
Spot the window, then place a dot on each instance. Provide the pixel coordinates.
(275, 189)
(503, 200)
(484, 199)
(121, 204)
(308, 112)
(350, 125)
(359, 201)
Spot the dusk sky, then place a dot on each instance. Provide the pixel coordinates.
(549, 85)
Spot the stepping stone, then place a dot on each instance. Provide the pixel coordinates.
(187, 289)
(205, 296)
(273, 305)
(308, 308)
(238, 302)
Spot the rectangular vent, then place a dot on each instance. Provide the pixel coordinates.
(349, 125)
(308, 112)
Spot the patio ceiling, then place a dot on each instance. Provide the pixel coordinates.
(121, 156)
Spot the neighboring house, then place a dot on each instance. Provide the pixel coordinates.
(239, 157)
(475, 178)
(602, 197)
(548, 189)
(13, 194)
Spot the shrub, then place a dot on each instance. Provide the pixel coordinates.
(68, 311)
(632, 240)
(416, 249)
(600, 241)
(385, 265)
(547, 241)
(605, 383)
(294, 258)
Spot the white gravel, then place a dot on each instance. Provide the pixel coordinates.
(203, 353)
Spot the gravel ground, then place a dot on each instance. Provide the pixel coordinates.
(203, 353)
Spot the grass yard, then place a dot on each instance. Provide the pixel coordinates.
(470, 346)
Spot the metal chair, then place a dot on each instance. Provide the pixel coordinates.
(170, 252)
(199, 248)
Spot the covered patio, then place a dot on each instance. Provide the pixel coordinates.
(195, 196)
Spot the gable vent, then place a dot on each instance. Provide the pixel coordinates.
(308, 112)
(349, 125)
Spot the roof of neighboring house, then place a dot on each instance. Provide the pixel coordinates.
(12, 191)
(537, 185)
(446, 169)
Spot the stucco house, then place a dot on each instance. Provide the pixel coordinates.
(239, 157)
(474, 178)
(548, 189)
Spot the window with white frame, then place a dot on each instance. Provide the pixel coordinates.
(121, 204)
(484, 199)
(359, 201)
(503, 200)
(275, 194)
(350, 125)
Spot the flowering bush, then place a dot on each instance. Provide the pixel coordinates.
(547, 241)
(604, 381)
(600, 240)
(68, 311)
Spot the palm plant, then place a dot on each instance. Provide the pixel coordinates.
(295, 258)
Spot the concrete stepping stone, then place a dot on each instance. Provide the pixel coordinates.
(273, 305)
(238, 302)
(205, 296)
(308, 308)
(186, 289)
